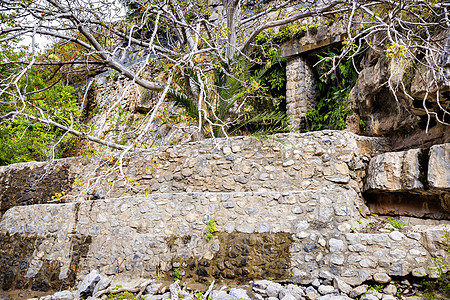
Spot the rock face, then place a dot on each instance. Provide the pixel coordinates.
(439, 167)
(402, 117)
(424, 174)
(292, 211)
(395, 171)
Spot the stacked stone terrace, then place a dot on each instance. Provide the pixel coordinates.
(291, 209)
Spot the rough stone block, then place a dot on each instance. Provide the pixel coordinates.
(381, 277)
(439, 166)
(341, 285)
(394, 171)
(239, 293)
(394, 178)
(63, 295)
(293, 290)
(86, 287)
(273, 289)
(357, 291)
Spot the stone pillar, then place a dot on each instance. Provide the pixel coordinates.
(299, 92)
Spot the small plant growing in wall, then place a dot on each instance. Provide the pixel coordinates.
(442, 284)
(396, 223)
(153, 165)
(114, 75)
(176, 275)
(60, 196)
(200, 295)
(210, 229)
(313, 28)
(77, 182)
(376, 287)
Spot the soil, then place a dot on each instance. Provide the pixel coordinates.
(22, 294)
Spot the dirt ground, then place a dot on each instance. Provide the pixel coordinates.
(21, 294)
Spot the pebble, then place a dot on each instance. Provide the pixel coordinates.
(390, 289)
(273, 289)
(381, 277)
(369, 297)
(239, 293)
(357, 291)
(326, 289)
(316, 283)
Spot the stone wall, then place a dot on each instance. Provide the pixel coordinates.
(291, 210)
(290, 162)
(33, 183)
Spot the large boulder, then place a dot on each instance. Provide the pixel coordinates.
(439, 167)
(414, 182)
(86, 287)
(395, 172)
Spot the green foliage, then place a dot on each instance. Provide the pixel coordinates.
(114, 75)
(284, 34)
(376, 287)
(362, 125)
(397, 223)
(89, 153)
(265, 122)
(442, 284)
(257, 89)
(332, 93)
(124, 295)
(199, 295)
(22, 139)
(176, 275)
(210, 229)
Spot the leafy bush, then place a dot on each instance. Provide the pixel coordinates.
(332, 93)
(22, 139)
(42, 94)
(248, 98)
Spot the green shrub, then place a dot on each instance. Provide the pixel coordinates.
(332, 93)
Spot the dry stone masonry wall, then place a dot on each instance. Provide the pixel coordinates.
(291, 210)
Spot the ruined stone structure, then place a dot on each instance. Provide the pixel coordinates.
(299, 73)
(292, 209)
